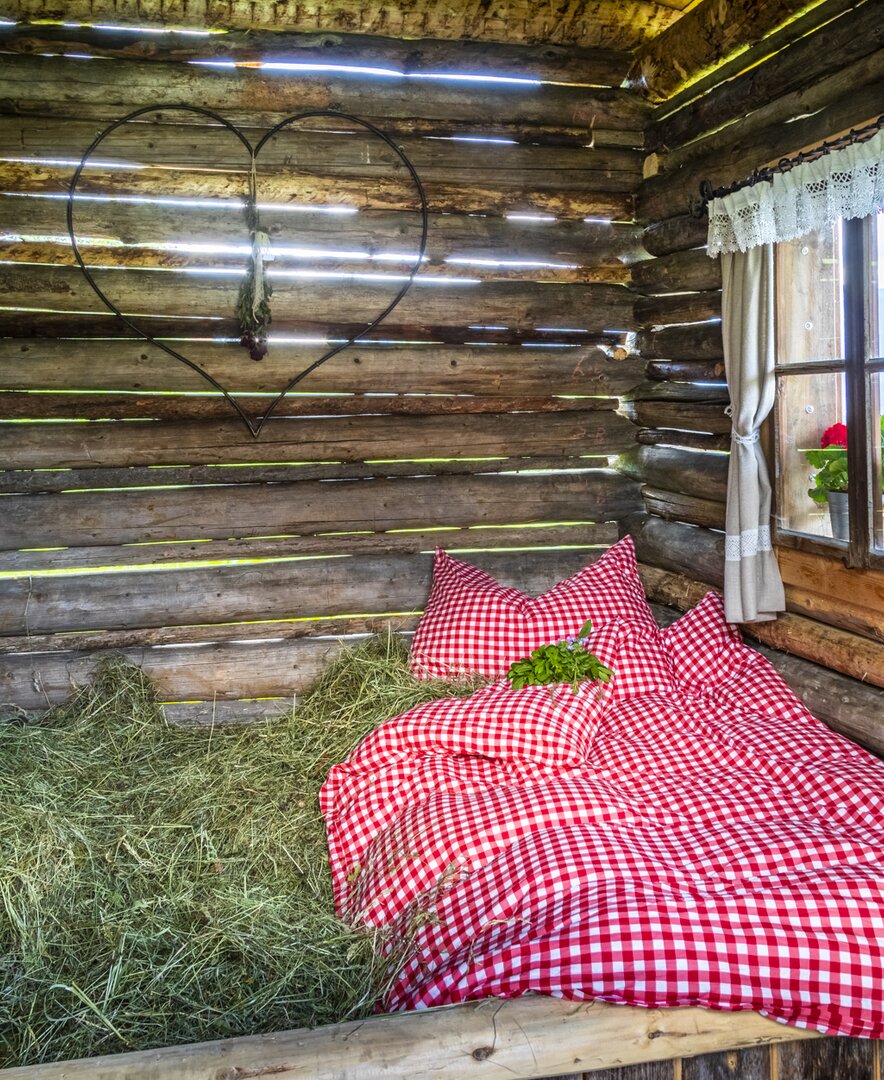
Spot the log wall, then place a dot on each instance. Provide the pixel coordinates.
(140, 515)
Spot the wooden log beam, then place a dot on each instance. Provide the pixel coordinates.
(59, 86)
(826, 646)
(362, 438)
(132, 366)
(689, 440)
(77, 519)
(580, 243)
(679, 415)
(143, 292)
(604, 195)
(663, 311)
(828, 46)
(701, 392)
(672, 545)
(28, 405)
(686, 370)
(683, 343)
(687, 508)
(298, 588)
(548, 62)
(707, 36)
(527, 1037)
(675, 234)
(519, 22)
(682, 271)
(682, 471)
(201, 553)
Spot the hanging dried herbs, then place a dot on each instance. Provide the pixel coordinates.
(253, 302)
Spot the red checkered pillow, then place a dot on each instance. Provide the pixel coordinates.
(639, 661)
(706, 651)
(472, 624)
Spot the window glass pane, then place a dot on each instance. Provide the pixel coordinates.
(811, 455)
(876, 287)
(877, 454)
(809, 284)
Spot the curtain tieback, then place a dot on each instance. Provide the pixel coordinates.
(745, 440)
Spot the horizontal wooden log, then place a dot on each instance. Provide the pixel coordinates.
(167, 293)
(683, 471)
(218, 713)
(364, 438)
(686, 370)
(672, 545)
(828, 646)
(711, 391)
(551, 63)
(817, 585)
(690, 509)
(682, 271)
(596, 194)
(847, 99)
(579, 243)
(690, 440)
(532, 1036)
(298, 588)
(702, 39)
(833, 44)
(41, 481)
(524, 22)
(680, 415)
(699, 342)
(58, 86)
(491, 371)
(217, 513)
(27, 405)
(675, 234)
(203, 553)
(663, 311)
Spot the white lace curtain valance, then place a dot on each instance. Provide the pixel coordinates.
(846, 183)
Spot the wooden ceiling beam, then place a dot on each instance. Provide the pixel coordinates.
(708, 36)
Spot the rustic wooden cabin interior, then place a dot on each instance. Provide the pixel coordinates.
(534, 184)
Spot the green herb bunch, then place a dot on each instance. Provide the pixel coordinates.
(567, 661)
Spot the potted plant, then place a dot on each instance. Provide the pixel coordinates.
(830, 479)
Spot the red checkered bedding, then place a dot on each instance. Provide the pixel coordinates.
(690, 835)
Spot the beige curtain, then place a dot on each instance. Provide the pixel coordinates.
(753, 589)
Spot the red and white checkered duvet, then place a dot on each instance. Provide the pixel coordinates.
(668, 842)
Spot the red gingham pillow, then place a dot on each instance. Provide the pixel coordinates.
(472, 624)
(638, 659)
(706, 651)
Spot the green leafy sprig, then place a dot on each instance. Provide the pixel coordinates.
(567, 661)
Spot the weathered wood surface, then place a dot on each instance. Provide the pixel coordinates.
(858, 1059)
(295, 588)
(753, 1063)
(194, 553)
(527, 1037)
(134, 517)
(374, 232)
(682, 271)
(595, 194)
(551, 63)
(690, 440)
(344, 438)
(828, 646)
(140, 292)
(713, 391)
(661, 311)
(27, 405)
(688, 371)
(47, 86)
(131, 365)
(817, 586)
(518, 22)
(847, 36)
(673, 506)
(707, 35)
(700, 342)
(678, 415)
(683, 549)
(675, 234)
(678, 470)
(849, 98)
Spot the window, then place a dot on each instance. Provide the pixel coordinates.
(828, 425)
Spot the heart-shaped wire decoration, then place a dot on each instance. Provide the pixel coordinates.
(254, 424)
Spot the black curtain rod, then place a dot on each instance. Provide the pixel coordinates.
(700, 203)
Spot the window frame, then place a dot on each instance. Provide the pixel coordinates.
(859, 367)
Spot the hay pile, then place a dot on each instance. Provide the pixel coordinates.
(160, 885)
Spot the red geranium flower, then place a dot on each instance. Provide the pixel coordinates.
(836, 435)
